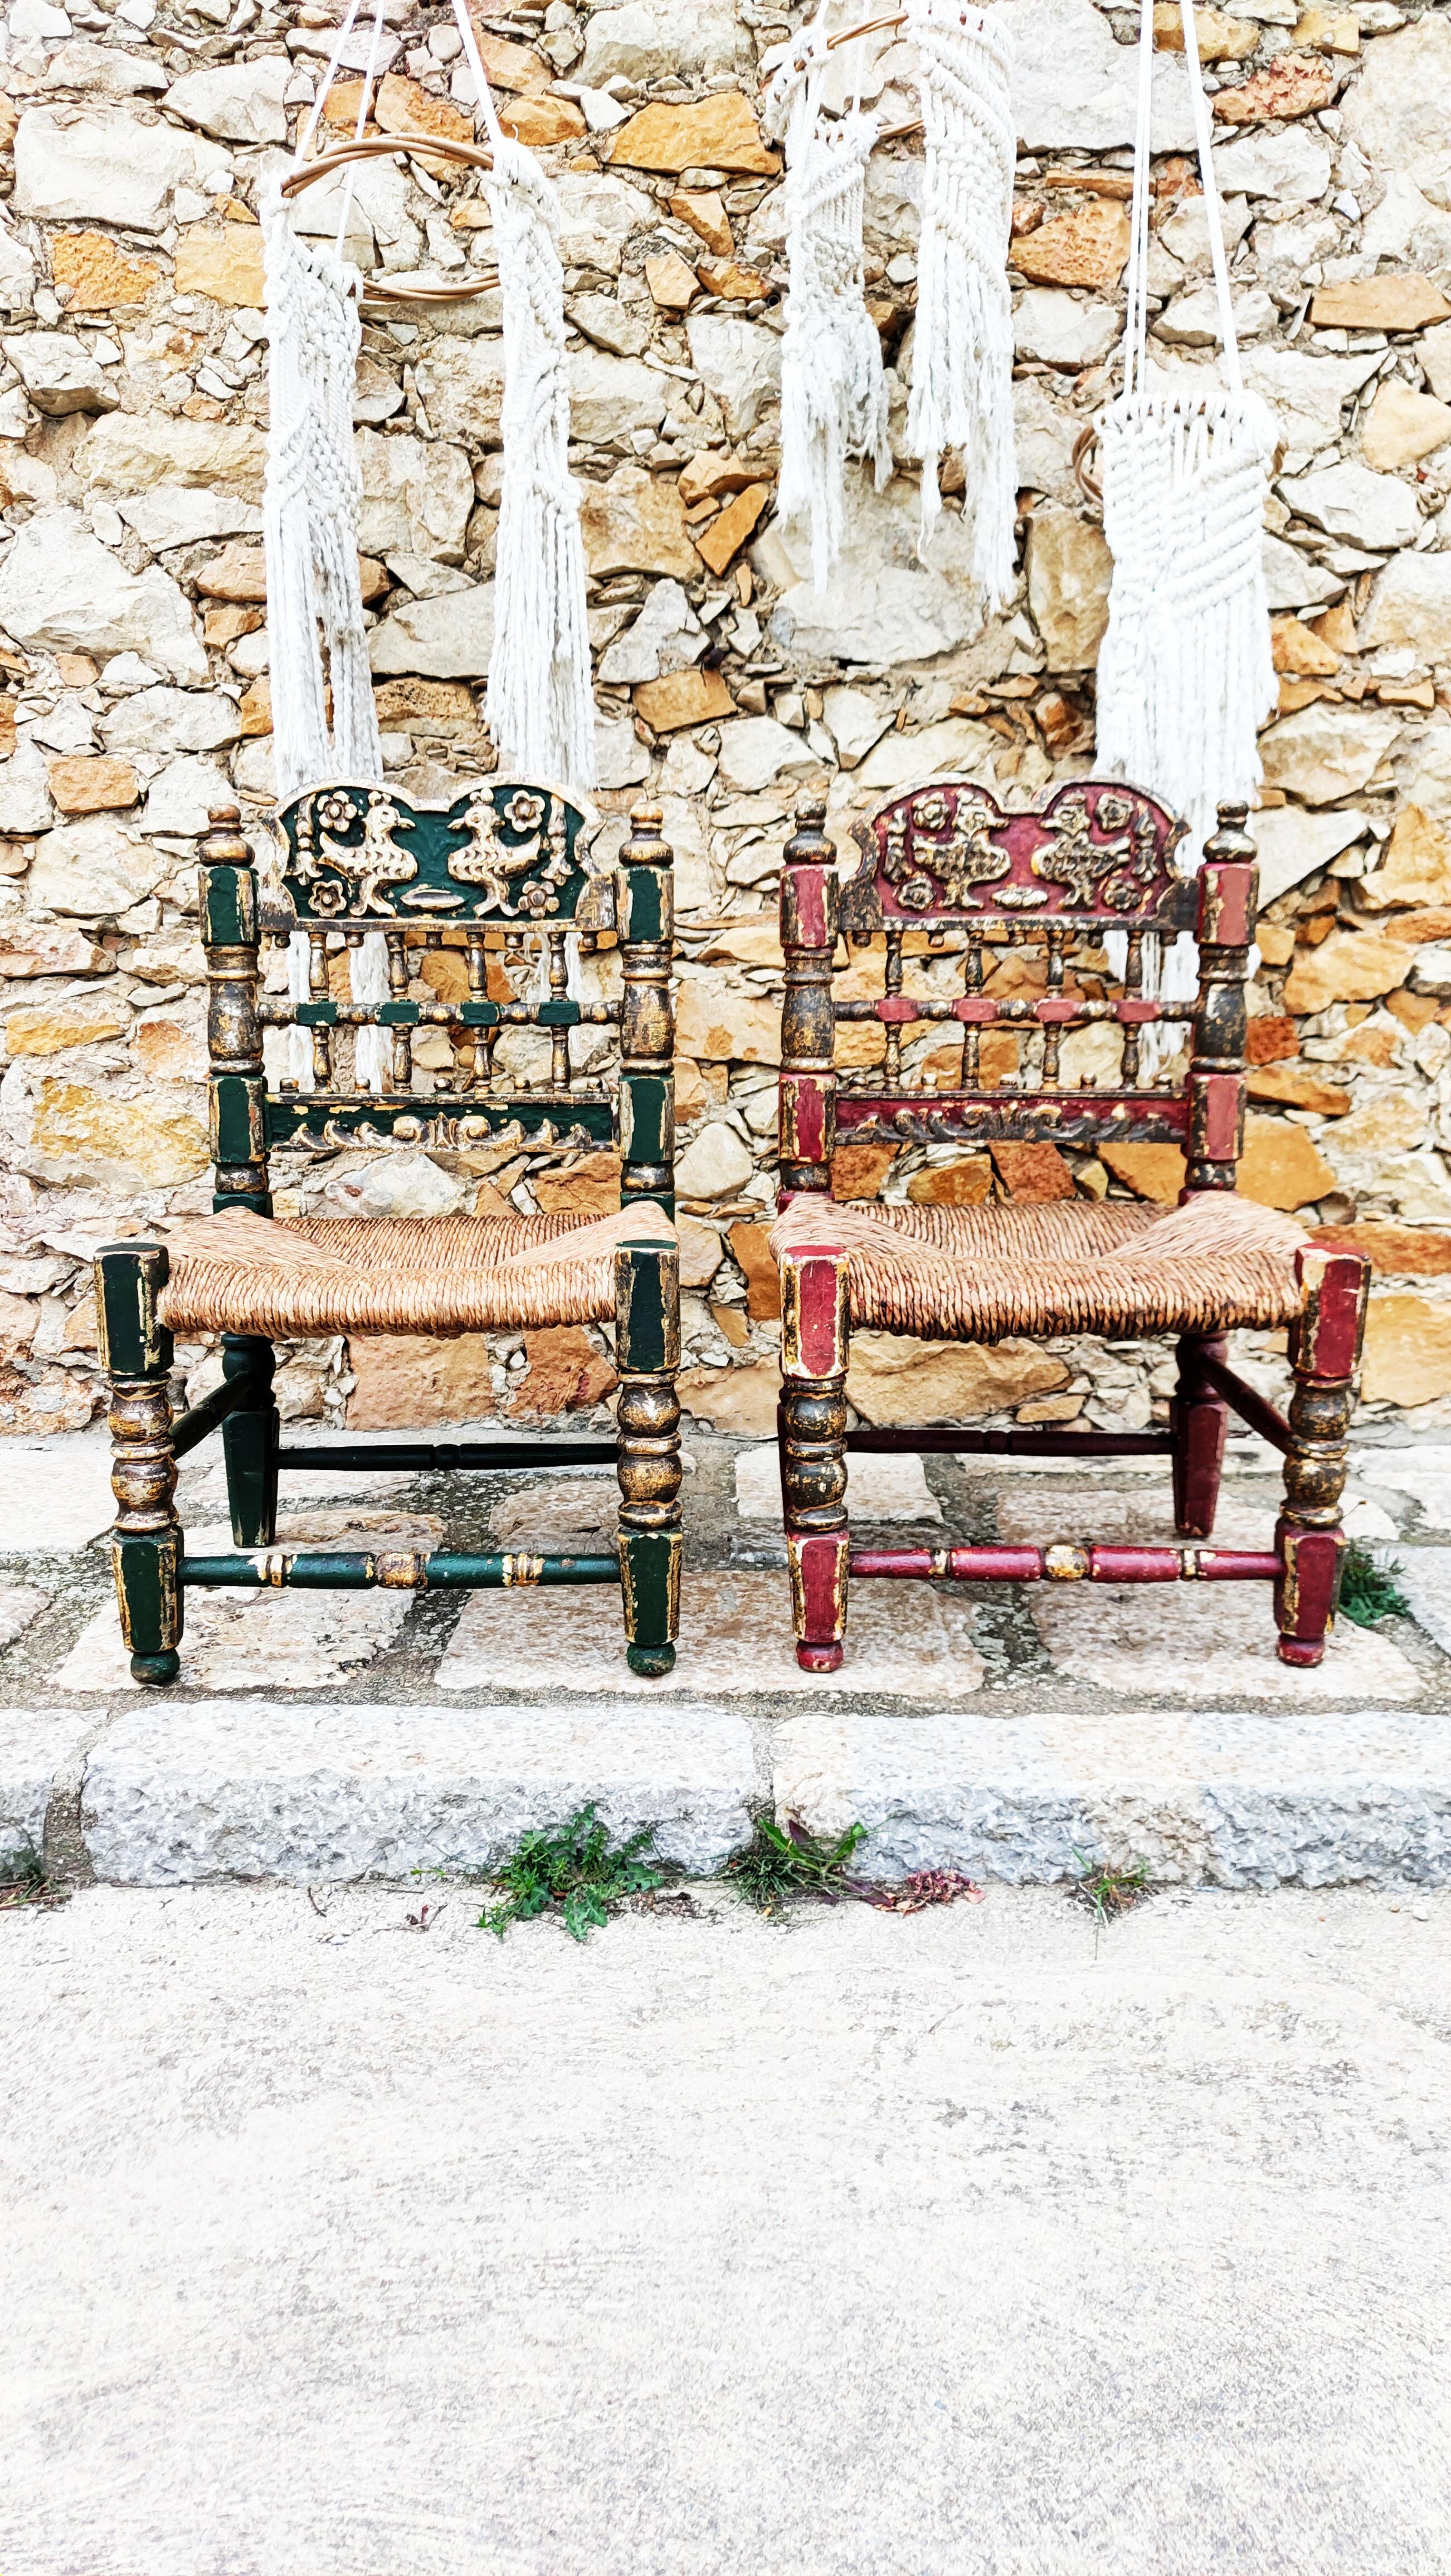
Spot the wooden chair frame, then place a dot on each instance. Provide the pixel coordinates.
(330, 833)
(974, 868)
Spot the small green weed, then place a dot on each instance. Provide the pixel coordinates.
(573, 1871)
(27, 1884)
(776, 1866)
(1368, 1591)
(1107, 1890)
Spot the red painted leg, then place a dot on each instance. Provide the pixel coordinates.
(1324, 1353)
(812, 1423)
(1198, 1419)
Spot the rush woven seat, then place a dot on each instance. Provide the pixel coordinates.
(436, 1275)
(1034, 944)
(1115, 1266)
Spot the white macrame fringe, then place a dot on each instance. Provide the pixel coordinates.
(311, 506)
(834, 402)
(540, 701)
(962, 363)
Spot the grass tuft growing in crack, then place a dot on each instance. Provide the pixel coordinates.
(24, 1883)
(572, 1872)
(1368, 1591)
(1108, 1891)
(776, 1866)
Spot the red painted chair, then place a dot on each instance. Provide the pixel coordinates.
(1044, 889)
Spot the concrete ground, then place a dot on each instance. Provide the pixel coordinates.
(334, 2247)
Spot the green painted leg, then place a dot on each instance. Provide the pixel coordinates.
(146, 1545)
(249, 1443)
(647, 1349)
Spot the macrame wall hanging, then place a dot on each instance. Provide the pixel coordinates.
(962, 343)
(833, 383)
(1184, 672)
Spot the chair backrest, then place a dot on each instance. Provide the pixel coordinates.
(499, 872)
(1054, 915)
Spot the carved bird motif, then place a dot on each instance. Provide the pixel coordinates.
(485, 860)
(379, 860)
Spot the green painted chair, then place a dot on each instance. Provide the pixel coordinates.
(507, 855)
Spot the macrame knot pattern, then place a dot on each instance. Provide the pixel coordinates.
(311, 507)
(833, 385)
(962, 366)
(540, 708)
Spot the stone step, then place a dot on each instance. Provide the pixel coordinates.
(164, 1794)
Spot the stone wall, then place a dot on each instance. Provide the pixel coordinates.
(133, 648)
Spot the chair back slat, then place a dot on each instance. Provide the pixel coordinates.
(1051, 923)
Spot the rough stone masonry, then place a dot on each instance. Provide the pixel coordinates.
(134, 657)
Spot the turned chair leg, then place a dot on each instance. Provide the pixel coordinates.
(811, 1440)
(250, 1441)
(146, 1546)
(1198, 1420)
(1324, 1354)
(647, 1355)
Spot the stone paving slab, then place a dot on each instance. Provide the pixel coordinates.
(34, 1745)
(882, 1488)
(736, 1638)
(181, 1791)
(1234, 1799)
(1423, 1575)
(55, 1495)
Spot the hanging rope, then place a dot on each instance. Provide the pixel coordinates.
(962, 365)
(540, 700)
(833, 385)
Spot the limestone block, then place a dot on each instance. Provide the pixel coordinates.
(666, 636)
(609, 397)
(1293, 844)
(407, 1380)
(610, 324)
(1395, 110)
(1085, 248)
(1349, 501)
(462, 384)
(855, 722)
(719, 133)
(1064, 332)
(1406, 226)
(79, 1135)
(108, 69)
(239, 102)
(1291, 579)
(17, 274)
(1328, 750)
(1349, 966)
(1292, 167)
(1407, 1350)
(1191, 321)
(59, 373)
(895, 1380)
(881, 605)
(81, 785)
(719, 1026)
(1379, 304)
(93, 869)
(621, 759)
(173, 516)
(447, 638)
(1281, 1166)
(952, 749)
(1069, 569)
(1073, 85)
(130, 451)
(417, 495)
(1401, 427)
(162, 721)
(183, 794)
(739, 362)
(757, 749)
(1416, 868)
(1411, 604)
(652, 39)
(596, 219)
(114, 164)
(1390, 1122)
(716, 1164)
(741, 1401)
(223, 261)
(636, 523)
(1292, 85)
(684, 698)
(49, 1028)
(1308, 395)
(25, 805)
(1434, 349)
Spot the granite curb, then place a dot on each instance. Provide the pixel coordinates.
(313, 1793)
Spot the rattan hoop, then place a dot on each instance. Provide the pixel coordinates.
(376, 147)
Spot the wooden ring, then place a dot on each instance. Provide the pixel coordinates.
(437, 147)
(1083, 447)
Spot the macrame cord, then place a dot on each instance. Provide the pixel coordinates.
(833, 384)
(1184, 672)
(962, 364)
(540, 700)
